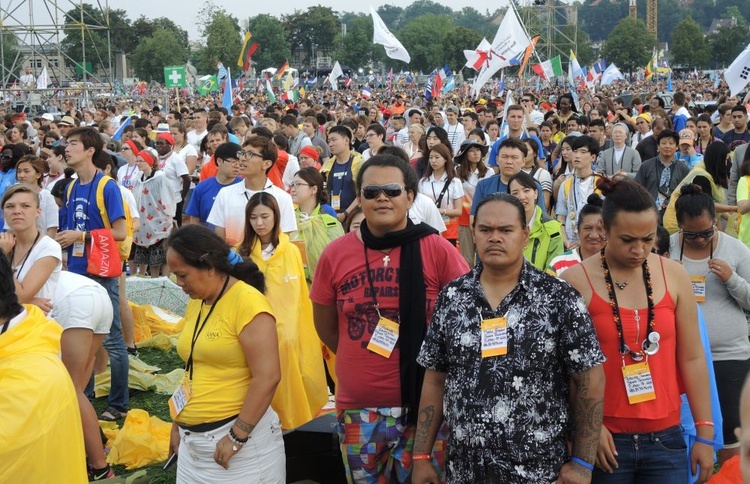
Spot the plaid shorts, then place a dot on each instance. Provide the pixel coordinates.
(376, 445)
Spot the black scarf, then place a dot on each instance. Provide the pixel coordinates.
(412, 305)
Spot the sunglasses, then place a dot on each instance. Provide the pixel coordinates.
(694, 235)
(391, 190)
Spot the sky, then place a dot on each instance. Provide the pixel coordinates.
(183, 12)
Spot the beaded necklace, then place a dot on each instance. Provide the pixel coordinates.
(650, 344)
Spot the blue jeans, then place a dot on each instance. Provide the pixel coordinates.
(115, 346)
(654, 458)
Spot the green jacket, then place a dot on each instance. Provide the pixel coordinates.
(545, 240)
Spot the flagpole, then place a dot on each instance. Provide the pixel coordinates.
(177, 92)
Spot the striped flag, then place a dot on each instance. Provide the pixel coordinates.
(284, 67)
(366, 92)
(269, 92)
(248, 49)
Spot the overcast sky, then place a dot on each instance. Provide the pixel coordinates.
(183, 12)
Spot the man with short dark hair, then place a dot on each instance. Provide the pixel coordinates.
(739, 135)
(340, 171)
(680, 112)
(661, 175)
(648, 147)
(456, 133)
(226, 158)
(515, 117)
(298, 139)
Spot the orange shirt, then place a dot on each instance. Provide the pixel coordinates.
(209, 169)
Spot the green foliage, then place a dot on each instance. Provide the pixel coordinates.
(9, 53)
(629, 45)
(121, 32)
(726, 44)
(223, 42)
(78, 37)
(143, 28)
(273, 45)
(155, 52)
(315, 27)
(423, 38)
(472, 19)
(599, 18)
(392, 16)
(689, 47)
(356, 48)
(454, 44)
(424, 7)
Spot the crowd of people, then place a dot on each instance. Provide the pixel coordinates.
(550, 290)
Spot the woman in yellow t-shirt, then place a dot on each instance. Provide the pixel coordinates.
(302, 391)
(230, 347)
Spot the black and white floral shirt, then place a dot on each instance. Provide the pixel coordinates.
(512, 407)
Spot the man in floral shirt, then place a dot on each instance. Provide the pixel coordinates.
(504, 343)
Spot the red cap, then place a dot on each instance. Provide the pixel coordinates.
(167, 137)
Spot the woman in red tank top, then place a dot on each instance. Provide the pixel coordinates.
(645, 316)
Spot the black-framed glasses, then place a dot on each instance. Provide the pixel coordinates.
(296, 185)
(248, 154)
(391, 190)
(706, 234)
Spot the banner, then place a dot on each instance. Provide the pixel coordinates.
(381, 35)
(174, 76)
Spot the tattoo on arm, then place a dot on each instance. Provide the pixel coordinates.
(244, 426)
(426, 418)
(587, 416)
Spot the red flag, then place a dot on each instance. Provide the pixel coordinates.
(538, 70)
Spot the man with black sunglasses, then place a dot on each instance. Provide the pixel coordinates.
(373, 294)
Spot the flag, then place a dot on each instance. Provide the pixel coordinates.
(43, 80)
(248, 49)
(269, 92)
(281, 70)
(477, 58)
(651, 66)
(366, 92)
(669, 83)
(549, 68)
(428, 89)
(737, 75)
(208, 84)
(118, 134)
(222, 72)
(302, 91)
(348, 81)
(381, 35)
(336, 72)
(527, 54)
(716, 79)
(509, 42)
(174, 76)
(450, 84)
(292, 95)
(574, 71)
(226, 101)
(504, 129)
(611, 74)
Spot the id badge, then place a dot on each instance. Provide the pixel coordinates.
(78, 249)
(699, 288)
(638, 383)
(180, 397)
(494, 337)
(336, 202)
(384, 338)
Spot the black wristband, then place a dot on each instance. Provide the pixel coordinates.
(234, 436)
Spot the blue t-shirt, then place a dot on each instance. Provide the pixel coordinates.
(82, 213)
(494, 184)
(342, 183)
(203, 199)
(6, 180)
(492, 160)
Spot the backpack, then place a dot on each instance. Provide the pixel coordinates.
(123, 246)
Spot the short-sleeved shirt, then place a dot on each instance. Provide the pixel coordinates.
(494, 184)
(82, 213)
(514, 405)
(342, 183)
(221, 376)
(45, 247)
(492, 159)
(174, 168)
(228, 211)
(203, 199)
(366, 379)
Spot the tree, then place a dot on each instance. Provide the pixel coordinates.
(454, 44)
(314, 29)
(78, 38)
(424, 7)
(689, 48)
(273, 45)
(143, 28)
(121, 32)
(392, 16)
(472, 19)
(11, 56)
(423, 39)
(156, 52)
(356, 47)
(629, 45)
(223, 42)
(726, 44)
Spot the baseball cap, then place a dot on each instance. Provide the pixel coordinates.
(686, 137)
(48, 117)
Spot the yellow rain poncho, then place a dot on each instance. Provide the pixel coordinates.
(302, 391)
(41, 438)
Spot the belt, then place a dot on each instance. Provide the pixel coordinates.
(207, 427)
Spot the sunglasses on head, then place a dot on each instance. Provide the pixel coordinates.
(391, 190)
(707, 234)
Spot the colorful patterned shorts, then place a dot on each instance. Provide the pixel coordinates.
(376, 445)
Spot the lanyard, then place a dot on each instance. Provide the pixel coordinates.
(88, 202)
(711, 248)
(199, 327)
(26, 257)
(343, 177)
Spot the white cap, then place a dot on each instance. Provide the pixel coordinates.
(48, 117)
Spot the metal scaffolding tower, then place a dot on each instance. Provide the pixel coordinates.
(556, 26)
(35, 30)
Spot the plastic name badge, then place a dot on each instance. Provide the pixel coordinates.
(384, 338)
(180, 397)
(699, 288)
(336, 202)
(638, 383)
(494, 337)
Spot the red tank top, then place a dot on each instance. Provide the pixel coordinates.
(664, 411)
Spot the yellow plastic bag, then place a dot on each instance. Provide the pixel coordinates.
(143, 440)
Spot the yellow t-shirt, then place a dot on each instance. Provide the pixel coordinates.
(221, 376)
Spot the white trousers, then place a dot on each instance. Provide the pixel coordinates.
(261, 459)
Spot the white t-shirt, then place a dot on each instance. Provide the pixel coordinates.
(195, 138)
(292, 167)
(45, 247)
(127, 175)
(189, 150)
(431, 188)
(424, 210)
(174, 167)
(127, 195)
(50, 211)
(228, 211)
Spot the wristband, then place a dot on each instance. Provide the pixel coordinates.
(83, 237)
(421, 457)
(704, 422)
(582, 463)
(704, 441)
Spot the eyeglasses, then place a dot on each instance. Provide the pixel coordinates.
(707, 234)
(391, 190)
(248, 154)
(370, 135)
(160, 143)
(526, 100)
(125, 148)
(296, 185)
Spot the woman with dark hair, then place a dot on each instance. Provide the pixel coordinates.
(57, 166)
(566, 108)
(435, 135)
(704, 127)
(743, 200)
(441, 185)
(302, 391)
(470, 170)
(317, 225)
(230, 348)
(645, 316)
(591, 233)
(719, 267)
(37, 393)
(545, 233)
(712, 175)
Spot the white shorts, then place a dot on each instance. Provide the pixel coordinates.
(87, 307)
(261, 459)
